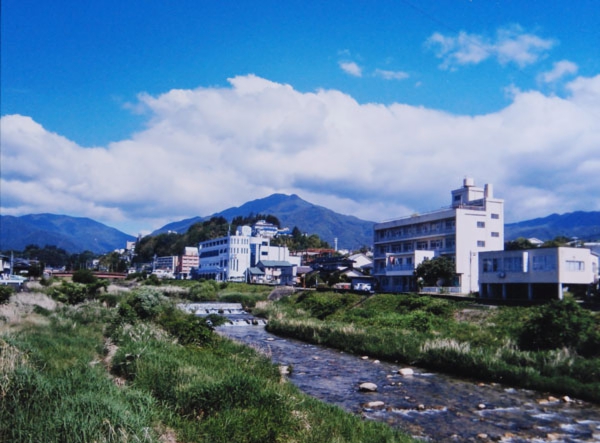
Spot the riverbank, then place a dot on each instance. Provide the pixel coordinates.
(461, 339)
(146, 371)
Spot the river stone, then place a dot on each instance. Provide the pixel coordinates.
(406, 371)
(480, 406)
(375, 404)
(566, 399)
(367, 387)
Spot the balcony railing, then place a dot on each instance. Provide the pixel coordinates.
(414, 234)
(441, 290)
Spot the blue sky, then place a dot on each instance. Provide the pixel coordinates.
(141, 113)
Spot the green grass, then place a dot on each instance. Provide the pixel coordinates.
(97, 374)
(451, 337)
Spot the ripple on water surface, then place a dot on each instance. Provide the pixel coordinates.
(432, 406)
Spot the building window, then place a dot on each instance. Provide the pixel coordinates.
(513, 264)
(421, 245)
(480, 224)
(487, 265)
(575, 266)
(495, 234)
(544, 263)
(496, 216)
(481, 243)
(435, 244)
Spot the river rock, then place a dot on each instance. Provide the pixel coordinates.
(566, 399)
(405, 371)
(364, 357)
(480, 406)
(375, 404)
(367, 387)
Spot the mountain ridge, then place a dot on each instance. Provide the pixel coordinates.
(76, 234)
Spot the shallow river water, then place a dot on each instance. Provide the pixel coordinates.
(431, 406)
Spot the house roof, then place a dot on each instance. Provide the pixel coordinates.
(275, 264)
(255, 271)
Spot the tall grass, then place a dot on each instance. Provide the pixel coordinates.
(424, 332)
(60, 383)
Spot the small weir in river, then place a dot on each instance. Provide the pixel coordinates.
(234, 312)
(431, 406)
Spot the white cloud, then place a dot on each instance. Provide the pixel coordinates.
(208, 149)
(391, 75)
(510, 45)
(559, 70)
(351, 68)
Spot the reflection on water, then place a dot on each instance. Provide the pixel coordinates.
(432, 406)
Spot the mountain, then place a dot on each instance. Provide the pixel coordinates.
(580, 224)
(73, 234)
(291, 210)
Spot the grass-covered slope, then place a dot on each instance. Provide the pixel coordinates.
(145, 371)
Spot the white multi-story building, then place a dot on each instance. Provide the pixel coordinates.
(536, 274)
(228, 258)
(473, 223)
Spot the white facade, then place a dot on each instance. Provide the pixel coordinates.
(227, 258)
(536, 274)
(472, 224)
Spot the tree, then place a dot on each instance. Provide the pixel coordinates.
(434, 272)
(520, 243)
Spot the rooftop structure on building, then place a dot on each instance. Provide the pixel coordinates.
(473, 223)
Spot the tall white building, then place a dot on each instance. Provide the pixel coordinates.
(228, 258)
(474, 222)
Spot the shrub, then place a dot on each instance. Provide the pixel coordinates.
(70, 293)
(5, 293)
(562, 323)
(204, 291)
(84, 276)
(146, 302)
(188, 328)
(152, 280)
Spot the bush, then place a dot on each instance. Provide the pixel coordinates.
(5, 293)
(323, 304)
(560, 324)
(188, 328)
(204, 291)
(146, 302)
(152, 280)
(70, 293)
(84, 276)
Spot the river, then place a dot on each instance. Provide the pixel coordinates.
(428, 405)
